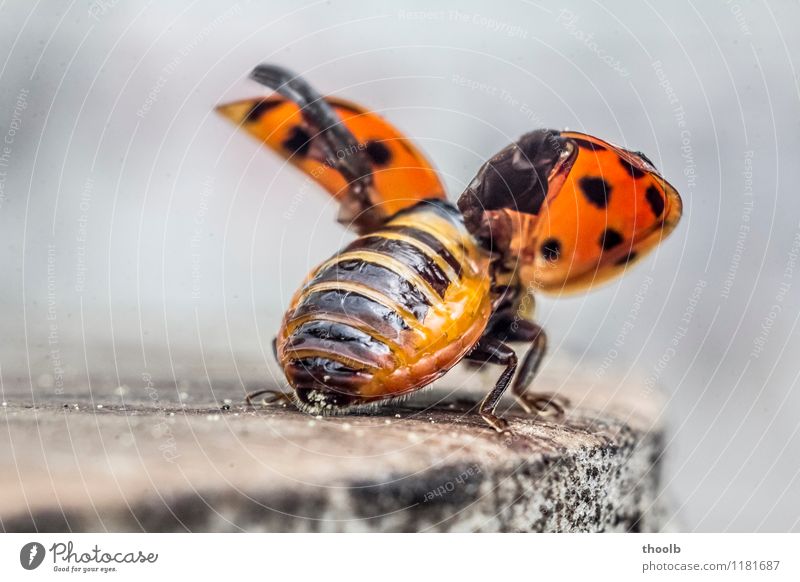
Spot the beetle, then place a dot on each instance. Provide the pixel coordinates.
(427, 283)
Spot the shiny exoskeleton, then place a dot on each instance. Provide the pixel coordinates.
(429, 284)
(390, 313)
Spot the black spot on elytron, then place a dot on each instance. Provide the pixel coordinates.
(609, 239)
(655, 200)
(551, 249)
(627, 258)
(378, 153)
(260, 108)
(587, 145)
(298, 142)
(631, 169)
(596, 190)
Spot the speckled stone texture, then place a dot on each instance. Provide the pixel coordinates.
(144, 461)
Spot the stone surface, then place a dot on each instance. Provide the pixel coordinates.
(137, 459)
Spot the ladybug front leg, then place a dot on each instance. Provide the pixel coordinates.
(490, 350)
(539, 403)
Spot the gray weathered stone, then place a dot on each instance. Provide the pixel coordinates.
(172, 465)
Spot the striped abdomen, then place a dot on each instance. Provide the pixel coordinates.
(389, 314)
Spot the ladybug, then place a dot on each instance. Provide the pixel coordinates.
(427, 283)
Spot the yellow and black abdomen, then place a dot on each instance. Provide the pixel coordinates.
(389, 314)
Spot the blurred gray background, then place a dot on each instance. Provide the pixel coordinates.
(141, 233)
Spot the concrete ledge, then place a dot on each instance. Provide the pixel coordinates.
(141, 465)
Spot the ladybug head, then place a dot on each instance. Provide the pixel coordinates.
(512, 186)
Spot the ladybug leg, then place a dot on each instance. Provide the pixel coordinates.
(490, 350)
(539, 403)
(275, 397)
(501, 320)
(507, 326)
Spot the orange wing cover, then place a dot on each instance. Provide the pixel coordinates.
(402, 175)
(612, 209)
